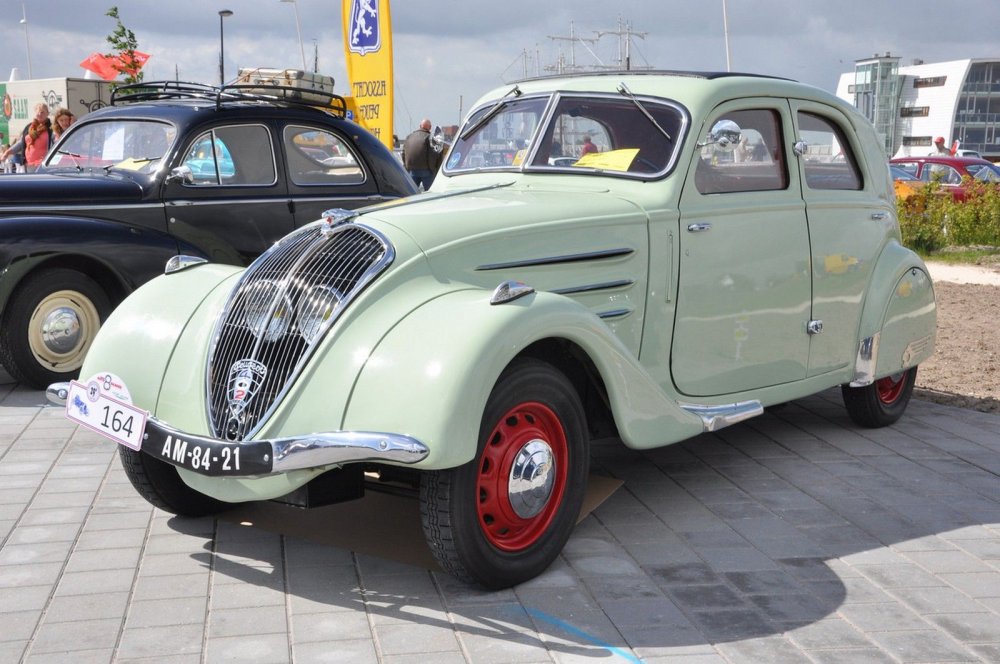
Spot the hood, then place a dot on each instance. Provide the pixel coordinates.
(436, 221)
(552, 237)
(48, 190)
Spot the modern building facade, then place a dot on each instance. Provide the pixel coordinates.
(910, 105)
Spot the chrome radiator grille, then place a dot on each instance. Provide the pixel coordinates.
(277, 314)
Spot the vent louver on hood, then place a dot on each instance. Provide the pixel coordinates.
(278, 313)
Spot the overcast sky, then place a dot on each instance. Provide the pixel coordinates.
(447, 53)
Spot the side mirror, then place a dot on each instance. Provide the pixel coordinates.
(725, 136)
(181, 174)
(800, 148)
(438, 140)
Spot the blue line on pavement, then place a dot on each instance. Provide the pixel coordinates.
(563, 625)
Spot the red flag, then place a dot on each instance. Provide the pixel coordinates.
(132, 68)
(109, 67)
(101, 65)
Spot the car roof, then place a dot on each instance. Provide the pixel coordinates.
(941, 159)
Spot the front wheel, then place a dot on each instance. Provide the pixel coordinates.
(158, 482)
(50, 322)
(881, 403)
(502, 518)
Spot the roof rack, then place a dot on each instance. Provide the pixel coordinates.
(275, 94)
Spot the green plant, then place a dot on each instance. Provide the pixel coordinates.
(125, 44)
(930, 219)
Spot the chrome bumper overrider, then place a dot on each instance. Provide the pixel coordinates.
(220, 458)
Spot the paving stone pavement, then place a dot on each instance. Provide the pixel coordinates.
(794, 537)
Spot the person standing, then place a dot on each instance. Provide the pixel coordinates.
(61, 122)
(36, 139)
(939, 148)
(419, 157)
(588, 146)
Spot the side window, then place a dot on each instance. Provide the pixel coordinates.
(239, 155)
(940, 173)
(828, 162)
(317, 156)
(752, 159)
(909, 167)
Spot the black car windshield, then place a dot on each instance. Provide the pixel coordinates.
(584, 133)
(133, 145)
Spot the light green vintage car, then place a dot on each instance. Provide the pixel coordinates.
(643, 255)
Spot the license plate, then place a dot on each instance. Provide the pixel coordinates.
(207, 456)
(99, 411)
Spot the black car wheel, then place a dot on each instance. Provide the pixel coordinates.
(49, 324)
(504, 517)
(158, 482)
(881, 403)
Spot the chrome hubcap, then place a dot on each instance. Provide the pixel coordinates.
(532, 477)
(61, 330)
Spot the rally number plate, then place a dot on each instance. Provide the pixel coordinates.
(99, 411)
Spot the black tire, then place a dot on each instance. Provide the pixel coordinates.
(881, 403)
(158, 482)
(60, 295)
(480, 530)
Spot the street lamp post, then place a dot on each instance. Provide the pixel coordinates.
(223, 13)
(27, 46)
(298, 29)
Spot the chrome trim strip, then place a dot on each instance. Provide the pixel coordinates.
(75, 209)
(614, 313)
(181, 262)
(552, 260)
(718, 417)
(607, 285)
(339, 447)
(864, 365)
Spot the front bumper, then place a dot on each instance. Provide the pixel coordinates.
(214, 457)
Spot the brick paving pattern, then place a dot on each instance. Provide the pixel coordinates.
(794, 537)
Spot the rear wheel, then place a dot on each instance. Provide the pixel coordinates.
(881, 403)
(49, 324)
(504, 517)
(158, 482)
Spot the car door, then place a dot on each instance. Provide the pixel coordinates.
(324, 171)
(233, 205)
(744, 289)
(848, 221)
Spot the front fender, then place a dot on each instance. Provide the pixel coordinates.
(431, 375)
(899, 320)
(140, 339)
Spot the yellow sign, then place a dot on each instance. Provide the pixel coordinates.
(615, 160)
(368, 54)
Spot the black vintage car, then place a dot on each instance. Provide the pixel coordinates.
(169, 168)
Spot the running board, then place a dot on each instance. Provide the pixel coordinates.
(714, 418)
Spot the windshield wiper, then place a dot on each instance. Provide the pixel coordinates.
(623, 89)
(135, 160)
(488, 115)
(74, 156)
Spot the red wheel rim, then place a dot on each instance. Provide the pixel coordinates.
(890, 387)
(525, 427)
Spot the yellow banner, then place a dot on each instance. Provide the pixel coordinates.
(368, 52)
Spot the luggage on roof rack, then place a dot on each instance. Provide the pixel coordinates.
(303, 85)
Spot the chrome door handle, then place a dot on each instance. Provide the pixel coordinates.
(880, 216)
(699, 228)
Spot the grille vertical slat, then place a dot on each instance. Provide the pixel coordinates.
(276, 315)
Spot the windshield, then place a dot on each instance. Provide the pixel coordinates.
(984, 172)
(135, 145)
(583, 133)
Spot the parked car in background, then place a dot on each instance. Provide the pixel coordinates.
(904, 182)
(949, 172)
(169, 168)
(732, 246)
